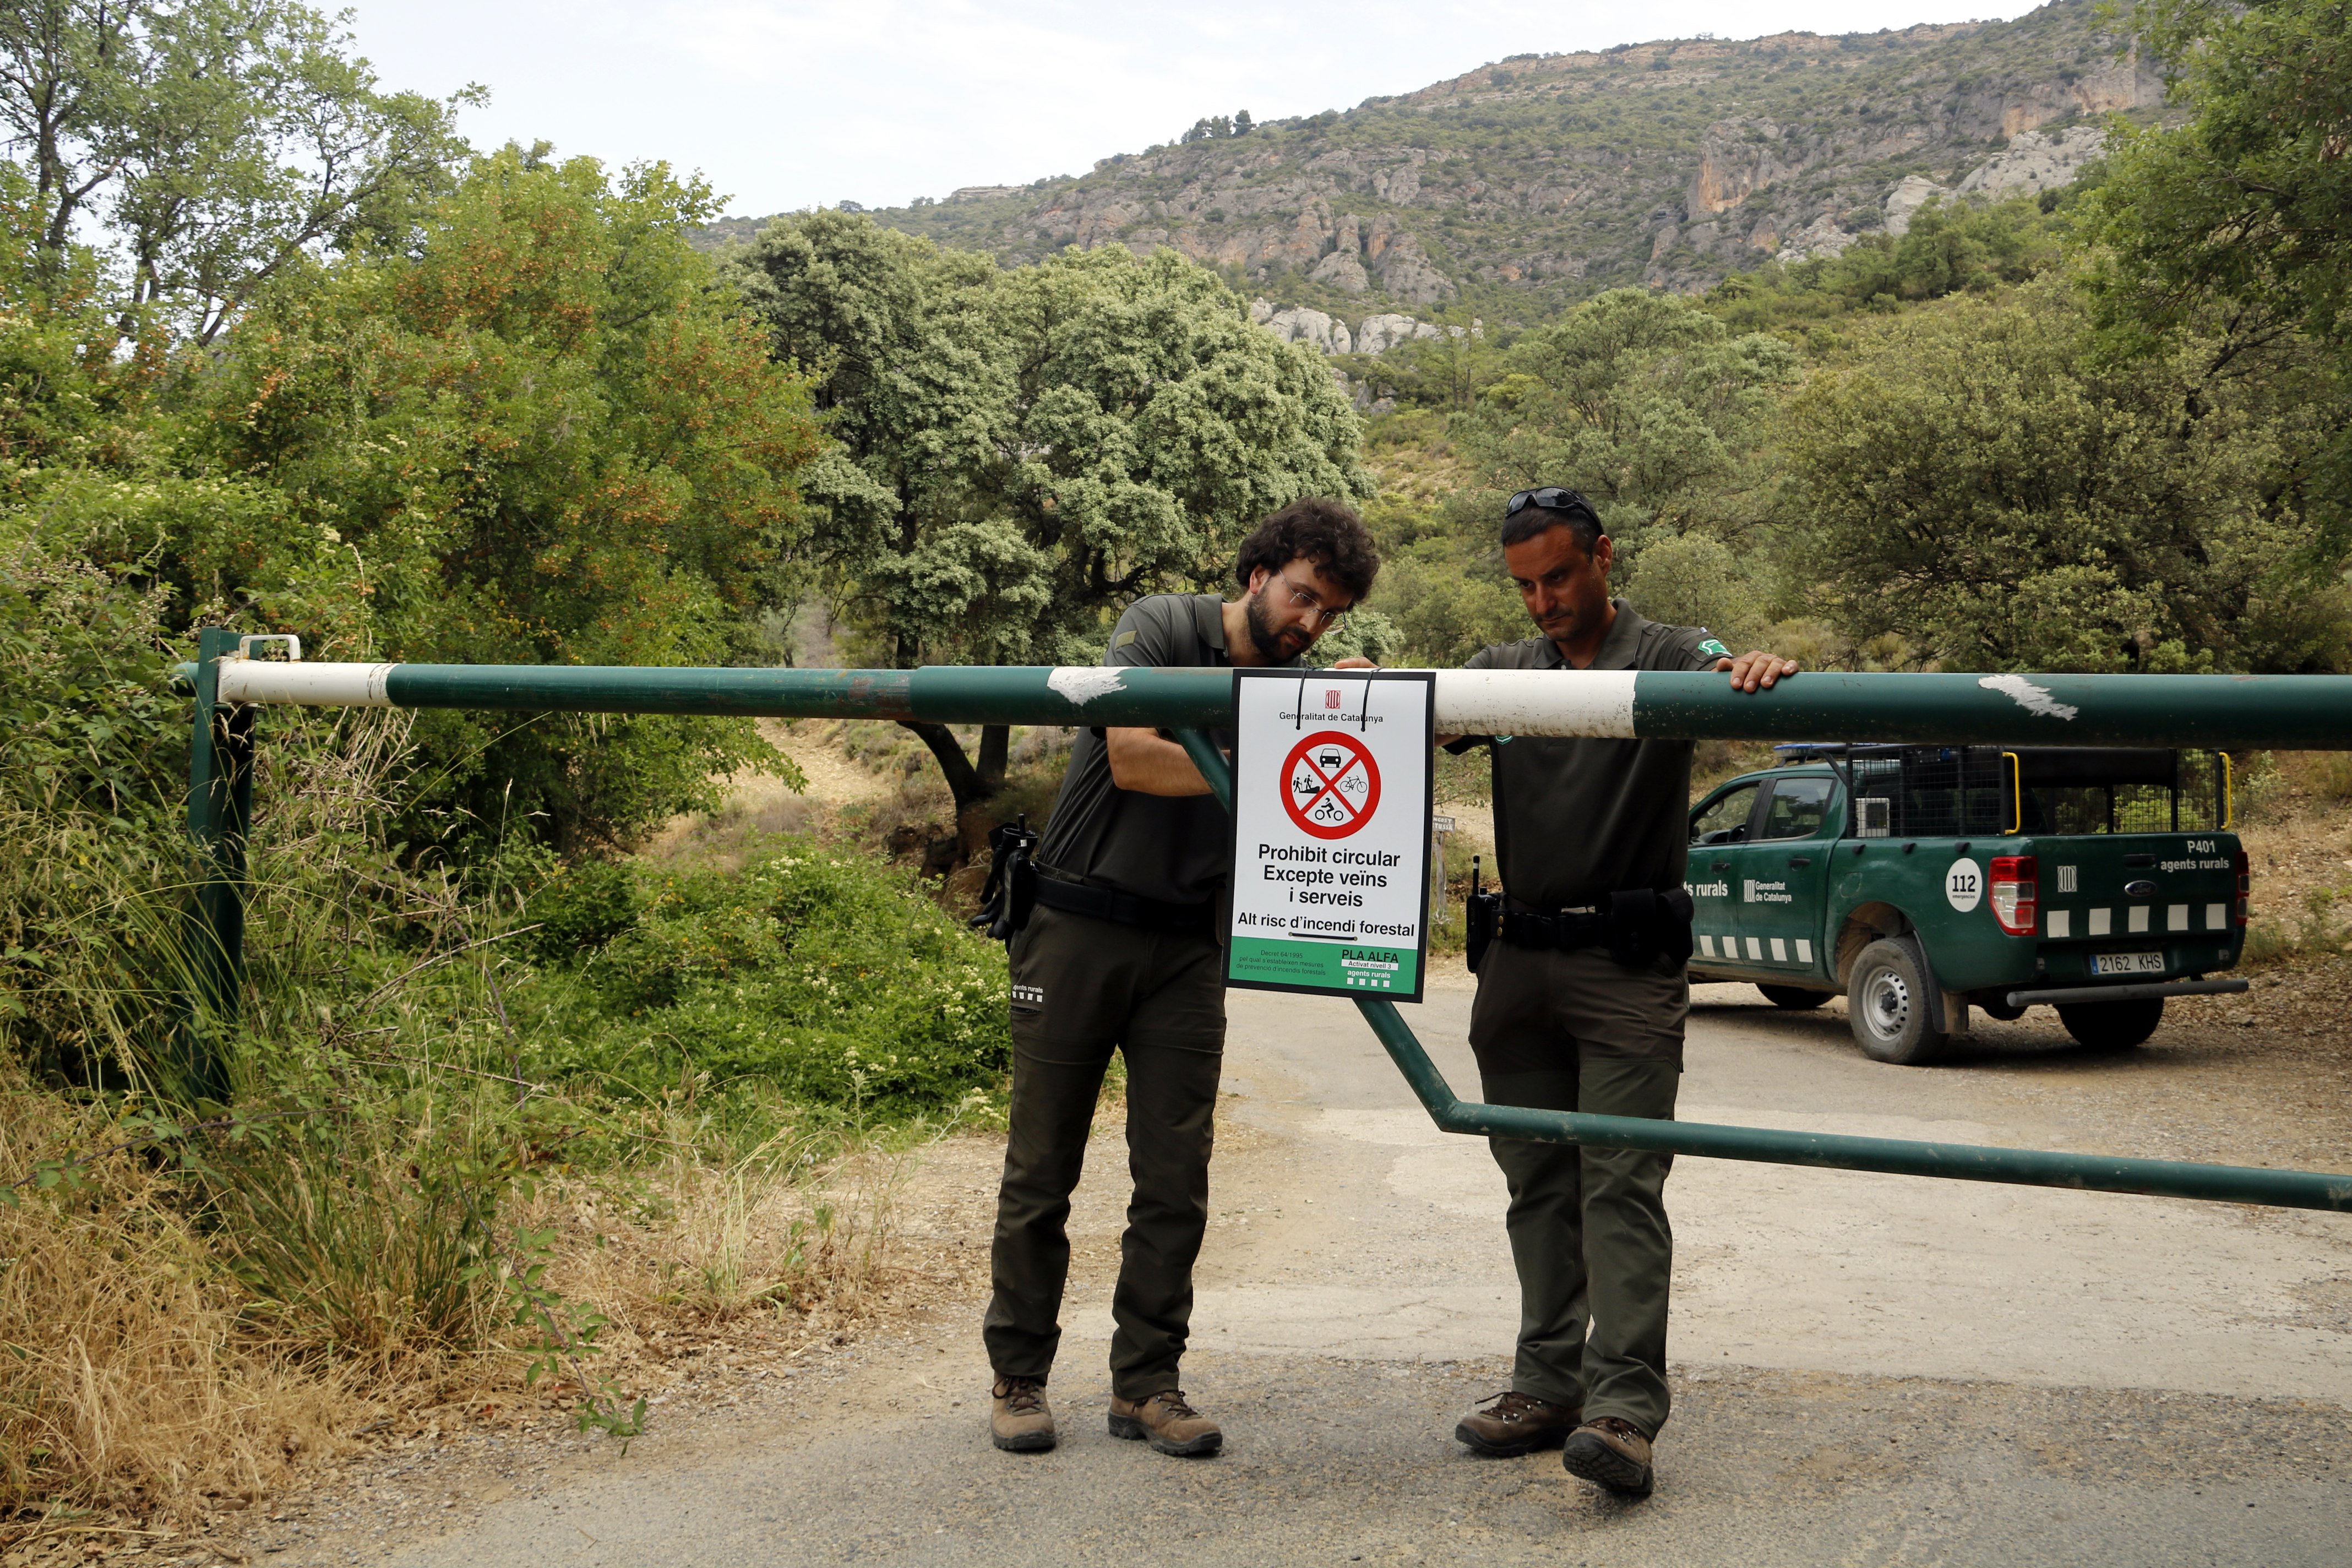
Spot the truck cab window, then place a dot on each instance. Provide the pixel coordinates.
(1723, 819)
(1797, 807)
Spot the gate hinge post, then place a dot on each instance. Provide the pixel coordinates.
(220, 814)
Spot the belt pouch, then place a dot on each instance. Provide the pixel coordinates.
(1674, 909)
(1011, 892)
(1646, 925)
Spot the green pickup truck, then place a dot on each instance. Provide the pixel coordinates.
(1921, 881)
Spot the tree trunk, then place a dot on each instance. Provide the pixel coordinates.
(973, 787)
(995, 743)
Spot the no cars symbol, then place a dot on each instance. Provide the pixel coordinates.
(1330, 785)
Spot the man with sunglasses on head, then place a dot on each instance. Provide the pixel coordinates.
(1121, 951)
(1580, 1007)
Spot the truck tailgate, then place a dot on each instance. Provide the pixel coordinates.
(2138, 903)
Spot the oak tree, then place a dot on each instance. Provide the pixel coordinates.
(1023, 451)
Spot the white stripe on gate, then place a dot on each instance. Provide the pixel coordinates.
(1535, 702)
(322, 685)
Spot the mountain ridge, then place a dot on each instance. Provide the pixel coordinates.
(1516, 189)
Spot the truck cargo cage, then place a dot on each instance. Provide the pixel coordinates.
(1966, 792)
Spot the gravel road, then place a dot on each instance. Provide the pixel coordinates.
(1869, 1369)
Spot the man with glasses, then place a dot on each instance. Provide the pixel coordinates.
(1122, 952)
(1580, 1006)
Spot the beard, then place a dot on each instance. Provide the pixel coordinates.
(1274, 645)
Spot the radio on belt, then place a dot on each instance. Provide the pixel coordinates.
(1331, 831)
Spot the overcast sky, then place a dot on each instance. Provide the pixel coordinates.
(795, 103)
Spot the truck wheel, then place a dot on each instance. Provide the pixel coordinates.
(1886, 1006)
(1791, 997)
(2111, 1026)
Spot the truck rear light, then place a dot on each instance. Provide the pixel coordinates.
(2245, 883)
(2016, 893)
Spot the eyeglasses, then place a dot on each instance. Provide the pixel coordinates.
(1305, 601)
(1551, 497)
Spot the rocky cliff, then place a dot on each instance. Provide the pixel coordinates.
(1520, 187)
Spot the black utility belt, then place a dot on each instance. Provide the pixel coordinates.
(1563, 929)
(1126, 909)
(1638, 926)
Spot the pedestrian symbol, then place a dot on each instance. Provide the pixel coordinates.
(1332, 787)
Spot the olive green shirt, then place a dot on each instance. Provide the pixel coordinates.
(1575, 818)
(1175, 848)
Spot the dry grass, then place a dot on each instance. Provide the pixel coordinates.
(689, 1246)
(131, 1387)
(2296, 826)
(2302, 780)
(144, 1390)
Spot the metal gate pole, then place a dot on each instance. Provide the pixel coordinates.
(220, 815)
(2222, 712)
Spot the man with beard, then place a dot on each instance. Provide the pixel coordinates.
(1581, 1001)
(1123, 951)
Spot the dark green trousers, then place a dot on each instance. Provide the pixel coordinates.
(1081, 989)
(1577, 1031)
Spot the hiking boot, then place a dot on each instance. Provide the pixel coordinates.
(1610, 1453)
(1020, 1423)
(1513, 1423)
(1173, 1426)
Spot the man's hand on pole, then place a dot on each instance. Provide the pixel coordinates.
(1750, 671)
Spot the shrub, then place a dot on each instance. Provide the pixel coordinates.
(817, 975)
(90, 778)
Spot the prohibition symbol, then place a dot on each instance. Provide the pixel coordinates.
(1330, 785)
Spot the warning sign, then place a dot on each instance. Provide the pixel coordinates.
(1331, 796)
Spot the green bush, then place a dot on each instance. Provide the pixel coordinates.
(92, 778)
(1972, 246)
(583, 909)
(1694, 580)
(1981, 482)
(818, 976)
(537, 432)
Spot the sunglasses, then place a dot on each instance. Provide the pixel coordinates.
(1551, 497)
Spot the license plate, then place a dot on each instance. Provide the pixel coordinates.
(2128, 963)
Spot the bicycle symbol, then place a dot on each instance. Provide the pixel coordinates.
(1332, 787)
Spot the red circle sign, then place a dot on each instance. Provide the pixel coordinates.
(1330, 785)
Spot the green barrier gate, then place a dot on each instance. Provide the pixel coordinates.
(2219, 712)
